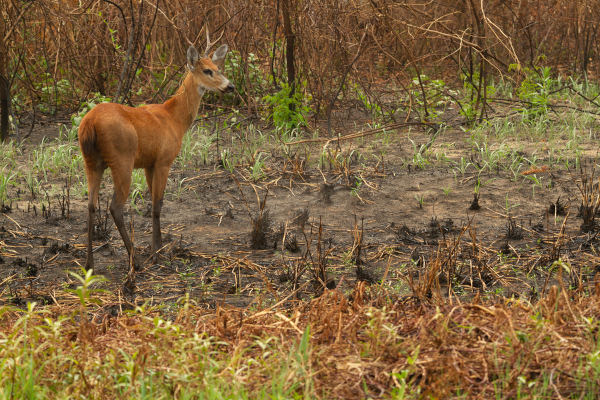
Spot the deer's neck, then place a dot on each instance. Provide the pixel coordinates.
(184, 105)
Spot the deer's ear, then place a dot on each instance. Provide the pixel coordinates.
(192, 57)
(219, 55)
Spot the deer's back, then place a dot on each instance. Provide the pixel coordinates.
(144, 134)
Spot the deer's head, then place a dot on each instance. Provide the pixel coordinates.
(207, 70)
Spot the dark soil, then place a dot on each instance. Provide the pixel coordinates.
(223, 245)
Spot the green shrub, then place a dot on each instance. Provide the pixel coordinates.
(244, 74)
(288, 111)
(470, 107)
(431, 96)
(535, 91)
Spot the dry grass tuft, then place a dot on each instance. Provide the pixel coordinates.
(369, 343)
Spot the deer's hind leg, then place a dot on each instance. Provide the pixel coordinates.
(93, 171)
(121, 174)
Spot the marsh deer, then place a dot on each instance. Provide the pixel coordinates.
(123, 138)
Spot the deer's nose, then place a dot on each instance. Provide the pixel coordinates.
(229, 88)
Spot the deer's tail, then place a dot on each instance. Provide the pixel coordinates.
(87, 137)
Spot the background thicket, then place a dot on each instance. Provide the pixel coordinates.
(55, 53)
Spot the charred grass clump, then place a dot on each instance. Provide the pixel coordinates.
(369, 343)
(589, 187)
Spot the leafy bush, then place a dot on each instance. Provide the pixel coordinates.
(535, 91)
(244, 74)
(371, 106)
(434, 91)
(470, 107)
(288, 111)
(52, 93)
(97, 98)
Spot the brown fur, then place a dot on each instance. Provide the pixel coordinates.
(123, 138)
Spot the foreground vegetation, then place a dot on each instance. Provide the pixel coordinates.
(370, 344)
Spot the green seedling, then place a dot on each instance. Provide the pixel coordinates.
(257, 169)
(228, 161)
(356, 187)
(6, 179)
(138, 188)
(507, 206)
(420, 200)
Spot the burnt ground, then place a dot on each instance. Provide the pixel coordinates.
(378, 215)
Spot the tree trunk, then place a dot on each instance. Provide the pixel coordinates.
(289, 47)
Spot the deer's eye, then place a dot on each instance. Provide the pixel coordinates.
(208, 72)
